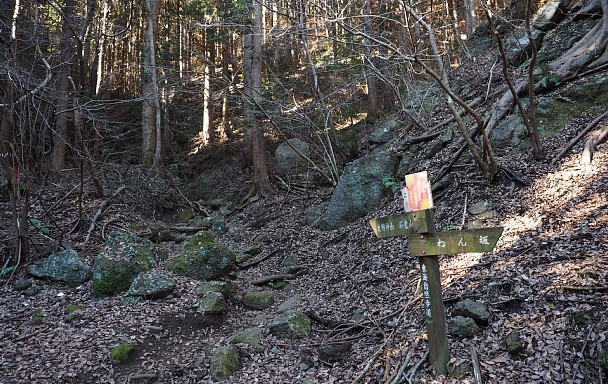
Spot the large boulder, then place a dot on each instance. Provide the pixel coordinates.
(64, 266)
(123, 257)
(384, 132)
(203, 259)
(288, 159)
(561, 39)
(359, 189)
(152, 285)
(550, 15)
(519, 48)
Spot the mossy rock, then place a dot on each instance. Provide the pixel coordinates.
(514, 343)
(120, 353)
(214, 286)
(250, 337)
(460, 371)
(152, 285)
(291, 325)
(65, 266)
(258, 300)
(203, 259)
(129, 246)
(124, 256)
(213, 303)
(224, 362)
(111, 277)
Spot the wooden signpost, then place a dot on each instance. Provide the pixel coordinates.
(419, 227)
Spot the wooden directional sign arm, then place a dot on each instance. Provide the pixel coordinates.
(453, 242)
(401, 225)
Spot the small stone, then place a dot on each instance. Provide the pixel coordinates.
(304, 367)
(291, 261)
(219, 226)
(459, 371)
(65, 266)
(258, 300)
(514, 343)
(184, 214)
(242, 258)
(479, 207)
(275, 350)
(358, 314)
(463, 327)
(120, 354)
(22, 284)
(74, 315)
(473, 309)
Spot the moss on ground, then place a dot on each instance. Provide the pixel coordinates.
(120, 353)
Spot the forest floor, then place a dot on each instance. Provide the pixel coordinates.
(547, 278)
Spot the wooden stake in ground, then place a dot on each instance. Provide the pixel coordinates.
(419, 226)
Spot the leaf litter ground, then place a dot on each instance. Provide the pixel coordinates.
(546, 279)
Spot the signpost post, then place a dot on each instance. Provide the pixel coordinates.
(419, 227)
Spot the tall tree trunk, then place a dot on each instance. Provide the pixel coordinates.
(101, 46)
(151, 130)
(64, 94)
(9, 163)
(370, 75)
(207, 129)
(225, 128)
(470, 17)
(254, 134)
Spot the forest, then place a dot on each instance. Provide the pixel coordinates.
(198, 191)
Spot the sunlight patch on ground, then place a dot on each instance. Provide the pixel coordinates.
(198, 143)
(356, 119)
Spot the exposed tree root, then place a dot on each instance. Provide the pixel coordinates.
(592, 142)
(572, 142)
(585, 51)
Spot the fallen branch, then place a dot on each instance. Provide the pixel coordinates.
(397, 378)
(266, 279)
(572, 142)
(30, 335)
(476, 368)
(412, 372)
(135, 376)
(582, 289)
(100, 212)
(334, 323)
(188, 229)
(581, 354)
(256, 262)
